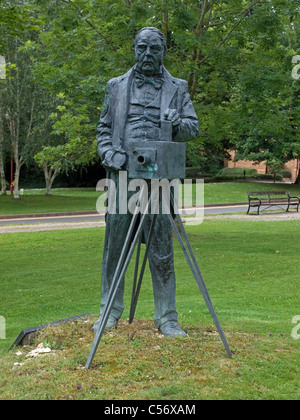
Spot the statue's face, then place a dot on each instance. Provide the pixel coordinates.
(149, 52)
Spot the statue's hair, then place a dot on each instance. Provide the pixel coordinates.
(153, 29)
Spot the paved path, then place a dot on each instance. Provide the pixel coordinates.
(79, 218)
(80, 221)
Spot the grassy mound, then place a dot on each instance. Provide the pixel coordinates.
(137, 362)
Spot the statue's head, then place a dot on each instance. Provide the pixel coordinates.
(150, 48)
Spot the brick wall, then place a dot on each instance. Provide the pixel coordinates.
(292, 166)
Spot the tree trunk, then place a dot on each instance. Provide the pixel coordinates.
(298, 176)
(166, 22)
(197, 53)
(50, 175)
(18, 165)
(16, 180)
(2, 172)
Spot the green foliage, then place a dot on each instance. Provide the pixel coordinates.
(53, 156)
(73, 122)
(16, 18)
(236, 56)
(243, 173)
(266, 98)
(274, 166)
(88, 42)
(237, 173)
(285, 174)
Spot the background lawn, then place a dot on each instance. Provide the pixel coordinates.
(84, 199)
(61, 200)
(251, 271)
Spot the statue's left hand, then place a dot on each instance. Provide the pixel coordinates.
(172, 115)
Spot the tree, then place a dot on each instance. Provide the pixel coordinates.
(27, 108)
(17, 23)
(266, 98)
(15, 19)
(86, 42)
(2, 172)
(20, 96)
(74, 152)
(53, 161)
(236, 56)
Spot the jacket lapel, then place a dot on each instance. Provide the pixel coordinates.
(121, 100)
(168, 94)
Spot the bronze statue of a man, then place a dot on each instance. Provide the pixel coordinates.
(134, 106)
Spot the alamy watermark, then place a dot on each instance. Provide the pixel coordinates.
(2, 328)
(296, 69)
(296, 329)
(2, 68)
(155, 196)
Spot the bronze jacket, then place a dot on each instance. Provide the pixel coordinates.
(113, 117)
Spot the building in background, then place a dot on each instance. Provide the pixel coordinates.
(262, 168)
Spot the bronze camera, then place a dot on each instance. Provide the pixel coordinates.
(161, 159)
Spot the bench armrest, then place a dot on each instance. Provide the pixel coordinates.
(254, 199)
(290, 196)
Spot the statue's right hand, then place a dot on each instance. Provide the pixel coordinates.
(115, 160)
(118, 160)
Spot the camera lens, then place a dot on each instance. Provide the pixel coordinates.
(143, 159)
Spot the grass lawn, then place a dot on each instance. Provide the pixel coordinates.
(61, 200)
(251, 271)
(83, 199)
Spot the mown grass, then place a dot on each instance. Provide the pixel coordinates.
(61, 200)
(251, 271)
(84, 199)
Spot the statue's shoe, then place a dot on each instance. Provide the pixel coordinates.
(172, 329)
(111, 322)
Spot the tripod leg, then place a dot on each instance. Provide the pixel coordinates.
(135, 295)
(137, 258)
(117, 280)
(198, 277)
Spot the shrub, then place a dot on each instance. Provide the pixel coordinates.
(285, 174)
(269, 177)
(192, 172)
(234, 173)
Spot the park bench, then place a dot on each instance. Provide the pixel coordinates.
(272, 198)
